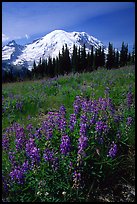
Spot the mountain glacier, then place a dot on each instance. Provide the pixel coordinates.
(49, 45)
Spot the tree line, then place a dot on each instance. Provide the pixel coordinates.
(80, 61)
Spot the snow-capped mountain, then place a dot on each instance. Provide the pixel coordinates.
(11, 51)
(49, 45)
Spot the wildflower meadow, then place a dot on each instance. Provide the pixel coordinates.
(62, 137)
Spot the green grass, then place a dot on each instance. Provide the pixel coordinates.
(37, 98)
(40, 96)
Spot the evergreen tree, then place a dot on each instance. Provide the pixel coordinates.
(83, 58)
(67, 63)
(99, 57)
(98, 61)
(49, 69)
(102, 58)
(53, 67)
(34, 69)
(92, 58)
(133, 55)
(110, 57)
(43, 67)
(129, 58)
(46, 67)
(61, 67)
(29, 74)
(117, 59)
(74, 59)
(34, 65)
(63, 60)
(79, 65)
(11, 74)
(123, 54)
(57, 66)
(88, 62)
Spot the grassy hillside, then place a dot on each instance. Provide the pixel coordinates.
(110, 96)
(41, 96)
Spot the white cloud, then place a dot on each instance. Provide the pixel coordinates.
(27, 36)
(4, 37)
(17, 37)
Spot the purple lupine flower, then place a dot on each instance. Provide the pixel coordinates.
(111, 106)
(118, 134)
(129, 121)
(72, 122)
(17, 175)
(76, 109)
(89, 106)
(62, 110)
(11, 95)
(20, 138)
(93, 120)
(5, 142)
(12, 158)
(113, 150)
(129, 99)
(105, 128)
(101, 127)
(117, 118)
(100, 140)
(30, 135)
(48, 155)
(62, 124)
(35, 155)
(19, 143)
(4, 184)
(77, 105)
(19, 132)
(76, 179)
(83, 129)
(29, 127)
(84, 106)
(71, 164)
(47, 127)
(82, 141)
(94, 107)
(25, 166)
(49, 133)
(103, 103)
(55, 163)
(82, 145)
(32, 151)
(65, 145)
(38, 133)
(52, 118)
(83, 119)
(19, 105)
(50, 124)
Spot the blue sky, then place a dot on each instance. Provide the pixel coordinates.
(107, 21)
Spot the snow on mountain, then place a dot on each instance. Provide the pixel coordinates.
(49, 45)
(11, 51)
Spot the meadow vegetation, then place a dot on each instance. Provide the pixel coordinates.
(63, 136)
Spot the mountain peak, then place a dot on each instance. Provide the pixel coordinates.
(49, 45)
(12, 43)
